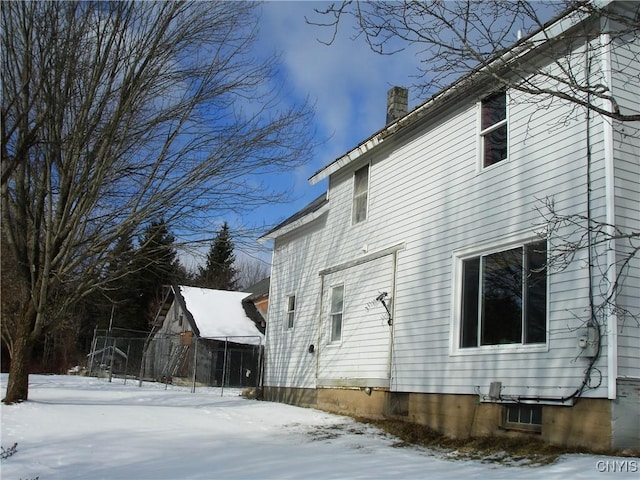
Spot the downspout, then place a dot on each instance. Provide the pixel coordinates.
(609, 172)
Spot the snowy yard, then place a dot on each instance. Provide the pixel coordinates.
(87, 428)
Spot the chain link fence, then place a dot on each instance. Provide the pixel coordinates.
(234, 362)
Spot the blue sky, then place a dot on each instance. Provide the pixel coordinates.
(346, 81)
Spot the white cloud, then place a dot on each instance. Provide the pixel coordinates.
(347, 80)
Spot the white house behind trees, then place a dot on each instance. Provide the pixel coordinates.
(418, 286)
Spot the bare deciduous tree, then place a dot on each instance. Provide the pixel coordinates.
(118, 113)
(251, 271)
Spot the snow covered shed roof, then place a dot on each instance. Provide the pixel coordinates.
(219, 313)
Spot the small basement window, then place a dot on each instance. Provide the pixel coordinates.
(523, 417)
(398, 404)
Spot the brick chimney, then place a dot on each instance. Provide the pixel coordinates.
(397, 103)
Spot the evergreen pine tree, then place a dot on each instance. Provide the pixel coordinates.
(220, 272)
(155, 265)
(121, 292)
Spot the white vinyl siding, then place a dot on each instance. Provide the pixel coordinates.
(290, 364)
(361, 357)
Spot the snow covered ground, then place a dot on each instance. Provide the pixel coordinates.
(87, 428)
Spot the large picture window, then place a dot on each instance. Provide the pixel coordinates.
(504, 297)
(493, 126)
(360, 194)
(337, 306)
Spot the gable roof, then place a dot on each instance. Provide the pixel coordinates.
(218, 313)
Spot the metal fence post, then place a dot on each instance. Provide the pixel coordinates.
(224, 364)
(93, 349)
(113, 354)
(260, 368)
(126, 363)
(195, 366)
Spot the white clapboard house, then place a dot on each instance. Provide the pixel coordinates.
(418, 287)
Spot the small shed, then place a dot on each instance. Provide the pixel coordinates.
(206, 333)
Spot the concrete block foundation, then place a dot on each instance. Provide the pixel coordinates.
(587, 424)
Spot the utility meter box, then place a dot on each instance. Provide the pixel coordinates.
(588, 341)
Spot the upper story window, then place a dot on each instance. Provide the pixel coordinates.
(504, 297)
(493, 129)
(291, 310)
(335, 313)
(360, 194)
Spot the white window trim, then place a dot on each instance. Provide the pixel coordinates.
(480, 133)
(330, 342)
(287, 311)
(487, 248)
(353, 197)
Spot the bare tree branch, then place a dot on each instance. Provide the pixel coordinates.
(570, 236)
(453, 38)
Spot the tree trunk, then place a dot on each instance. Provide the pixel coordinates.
(18, 384)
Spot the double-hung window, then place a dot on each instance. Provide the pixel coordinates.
(360, 194)
(291, 310)
(335, 313)
(504, 297)
(493, 129)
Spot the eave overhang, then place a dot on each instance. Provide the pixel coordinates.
(303, 217)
